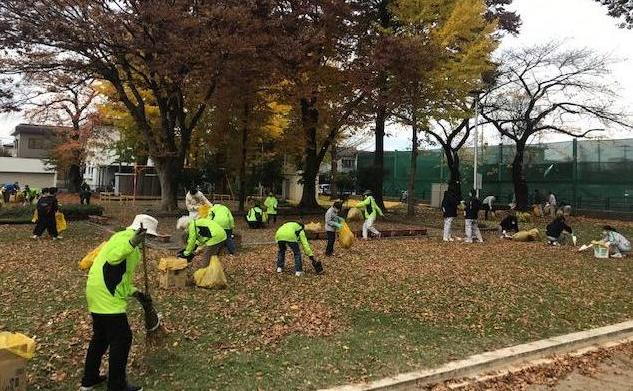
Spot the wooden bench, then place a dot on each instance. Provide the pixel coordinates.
(391, 233)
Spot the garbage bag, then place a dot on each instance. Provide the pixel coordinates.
(354, 215)
(172, 263)
(203, 211)
(18, 344)
(212, 276)
(34, 219)
(313, 227)
(345, 236)
(60, 221)
(87, 261)
(527, 236)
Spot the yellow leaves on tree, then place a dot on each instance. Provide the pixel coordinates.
(454, 42)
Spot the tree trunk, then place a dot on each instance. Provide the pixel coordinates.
(169, 171)
(74, 178)
(309, 122)
(455, 178)
(333, 171)
(243, 157)
(413, 171)
(379, 156)
(518, 179)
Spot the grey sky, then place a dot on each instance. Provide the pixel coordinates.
(578, 22)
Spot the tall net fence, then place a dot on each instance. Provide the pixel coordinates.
(588, 174)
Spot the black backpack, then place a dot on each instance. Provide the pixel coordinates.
(45, 206)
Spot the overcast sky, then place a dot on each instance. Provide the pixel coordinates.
(578, 22)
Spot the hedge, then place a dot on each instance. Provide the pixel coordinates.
(72, 212)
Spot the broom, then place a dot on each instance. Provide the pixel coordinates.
(154, 329)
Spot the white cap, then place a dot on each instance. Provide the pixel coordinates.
(147, 221)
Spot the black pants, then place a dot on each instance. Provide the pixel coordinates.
(229, 243)
(331, 238)
(6, 195)
(109, 331)
(486, 210)
(84, 196)
(255, 224)
(272, 217)
(45, 223)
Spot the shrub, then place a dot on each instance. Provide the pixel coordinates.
(81, 212)
(72, 212)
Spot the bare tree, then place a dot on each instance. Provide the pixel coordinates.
(545, 89)
(451, 135)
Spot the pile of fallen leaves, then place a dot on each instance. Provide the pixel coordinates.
(382, 307)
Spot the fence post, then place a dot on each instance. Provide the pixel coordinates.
(608, 204)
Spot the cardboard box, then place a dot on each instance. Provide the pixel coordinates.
(12, 372)
(171, 279)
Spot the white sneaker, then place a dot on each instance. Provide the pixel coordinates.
(279, 270)
(299, 274)
(616, 255)
(35, 237)
(446, 240)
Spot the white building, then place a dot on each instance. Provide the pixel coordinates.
(105, 172)
(32, 172)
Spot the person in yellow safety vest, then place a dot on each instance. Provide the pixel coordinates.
(271, 205)
(370, 210)
(255, 217)
(203, 232)
(223, 216)
(289, 235)
(109, 286)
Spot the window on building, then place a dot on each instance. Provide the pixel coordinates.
(347, 163)
(36, 143)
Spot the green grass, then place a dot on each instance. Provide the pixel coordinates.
(382, 307)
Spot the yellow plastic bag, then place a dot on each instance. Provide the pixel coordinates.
(527, 236)
(87, 261)
(172, 263)
(354, 214)
(18, 344)
(212, 276)
(203, 211)
(346, 236)
(60, 221)
(34, 219)
(313, 227)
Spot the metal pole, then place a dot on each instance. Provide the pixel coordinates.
(476, 149)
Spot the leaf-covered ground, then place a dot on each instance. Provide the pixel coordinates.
(382, 307)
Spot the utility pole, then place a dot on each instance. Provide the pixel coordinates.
(476, 94)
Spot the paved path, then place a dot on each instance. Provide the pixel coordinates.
(615, 374)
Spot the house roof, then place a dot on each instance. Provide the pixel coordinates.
(46, 130)
(21, 165)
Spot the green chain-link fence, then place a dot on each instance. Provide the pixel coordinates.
(588, 174)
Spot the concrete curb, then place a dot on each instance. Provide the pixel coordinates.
(490, 361)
